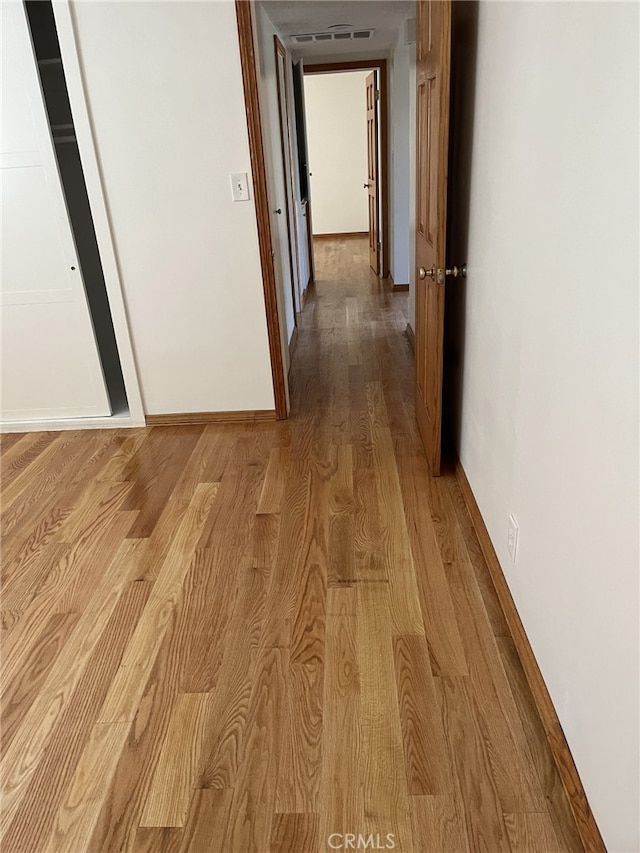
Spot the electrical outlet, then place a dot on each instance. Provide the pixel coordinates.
(512, 538)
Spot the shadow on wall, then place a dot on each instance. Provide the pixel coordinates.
(464, 32)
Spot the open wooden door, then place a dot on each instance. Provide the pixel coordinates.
(373, 182)
(433, 35)
(287, 169)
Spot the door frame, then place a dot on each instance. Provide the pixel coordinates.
(248, 59)
(381, 66)
(244, 15)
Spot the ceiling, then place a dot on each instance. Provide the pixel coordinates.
(386, 17)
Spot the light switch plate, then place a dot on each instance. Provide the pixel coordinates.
(513, 533)
(239, 186)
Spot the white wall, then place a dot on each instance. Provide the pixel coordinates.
(401, 188)
(168, 133)
(268, 86)
(550, 398)
(336, 112)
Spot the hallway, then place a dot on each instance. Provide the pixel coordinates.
(254, 638)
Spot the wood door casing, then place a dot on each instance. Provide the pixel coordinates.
(433, 32)
(373, 182)
(244, 16)
(380, 65)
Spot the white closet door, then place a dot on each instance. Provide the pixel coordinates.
(50, 362)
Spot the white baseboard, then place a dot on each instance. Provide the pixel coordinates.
(111, 422)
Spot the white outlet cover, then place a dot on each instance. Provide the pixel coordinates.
(513, 535)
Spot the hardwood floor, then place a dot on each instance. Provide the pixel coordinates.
(226, 639)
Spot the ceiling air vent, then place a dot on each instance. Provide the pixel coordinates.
(305, 38)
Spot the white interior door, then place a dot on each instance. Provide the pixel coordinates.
(50, 362)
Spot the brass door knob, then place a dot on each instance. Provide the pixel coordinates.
(423, 273)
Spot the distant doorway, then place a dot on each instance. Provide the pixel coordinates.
(348, 191)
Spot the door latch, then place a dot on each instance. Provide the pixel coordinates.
(456, 272)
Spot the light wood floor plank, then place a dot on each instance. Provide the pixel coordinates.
(113, 471)
(515, 773)
(341, 552)
(128, 685)
(382, 771)
(9, 618)
(341, 804)
(404, 602)
(154, 470)
(442, 629)
(207, 821)
(40, 477)
(275, 480)
(438, 825)
(9, 439)
(80, 811)
(170, 794)
(37, 810)
(39, 724)
(475, 787)
(19, 451)
(266, 533)
(426, 760)
(249, 829)
(81, 807)
(237, 673)
(300, 755)
(117, 826)
(296, 831)
(531, 832)
(209, 593)
(54, 496)
(24, 690)
(23, 586)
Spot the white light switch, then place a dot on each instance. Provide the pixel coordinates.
(239, 186)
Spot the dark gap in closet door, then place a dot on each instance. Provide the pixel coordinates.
(44, 37)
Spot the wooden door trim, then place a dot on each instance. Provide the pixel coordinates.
(381, 66)
(287, 165)
(261, 197)
(560, 752)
